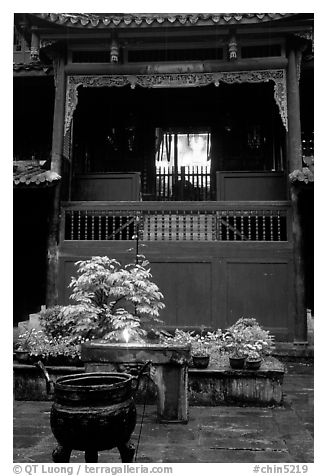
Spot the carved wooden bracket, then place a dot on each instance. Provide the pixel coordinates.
(173, 80)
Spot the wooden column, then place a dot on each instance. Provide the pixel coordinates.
(35, 45)
(56, 166)
(295, 162)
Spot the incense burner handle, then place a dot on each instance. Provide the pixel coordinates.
(49, 383)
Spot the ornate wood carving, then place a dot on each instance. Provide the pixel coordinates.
(166, 80)
(278, 76)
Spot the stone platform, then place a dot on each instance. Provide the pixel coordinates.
(220, 434)
(223, 385)
(209, 387)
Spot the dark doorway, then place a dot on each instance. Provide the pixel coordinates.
(150, 131)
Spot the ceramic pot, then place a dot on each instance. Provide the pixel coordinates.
(253, 364)
(22, 356)
(237, 362)
(201, 361)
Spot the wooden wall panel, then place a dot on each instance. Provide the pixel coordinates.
(187, 291)
(251, 186)
(113, 186)
(259, 289)
(207, 283)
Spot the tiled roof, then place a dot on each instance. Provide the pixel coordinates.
(101, 20)
(28, 172)
(33, 66)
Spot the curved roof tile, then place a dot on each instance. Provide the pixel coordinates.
(102, 20)
(31, 173)
(32, 66)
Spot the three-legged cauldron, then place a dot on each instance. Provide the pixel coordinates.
(93, 412)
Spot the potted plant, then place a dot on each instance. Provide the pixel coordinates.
(200, 361)
(200, 352)
(199, 345)
(34, 345)
(62, 351)
(234, 345)
(111, 302)
(253, 360)
(246, 336)
(251, 333)
(22, 351)
(26, 344)
(237, 358)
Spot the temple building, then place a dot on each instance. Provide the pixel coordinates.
(189, 136)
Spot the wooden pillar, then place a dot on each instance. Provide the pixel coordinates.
(294, 149)
(35, 45)
(56, 166)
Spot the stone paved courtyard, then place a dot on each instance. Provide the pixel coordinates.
(221, 434)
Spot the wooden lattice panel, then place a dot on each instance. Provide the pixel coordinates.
(265, 224)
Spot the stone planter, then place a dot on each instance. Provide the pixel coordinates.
(24, 357)
(213, 386)
(223, 385)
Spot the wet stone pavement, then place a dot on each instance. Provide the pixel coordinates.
(221, 434)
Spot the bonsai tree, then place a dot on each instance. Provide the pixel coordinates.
(112, 301)
(245, 336)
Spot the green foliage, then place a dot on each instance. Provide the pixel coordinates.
(123, 322)
(26, 342)
(207, 343)
(253, 354)
(109, 299)
(245, 336)
(201, 344)
(37, 343)
(52, 323)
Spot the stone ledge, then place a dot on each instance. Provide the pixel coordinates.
(212, 386)
(29, 382)
(223, 385)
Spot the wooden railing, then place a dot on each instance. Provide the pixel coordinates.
(184, 183)
(176, 221)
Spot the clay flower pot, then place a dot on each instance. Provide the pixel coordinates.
(253, 364)
(236, 362)
(201, 361)
(22, 356)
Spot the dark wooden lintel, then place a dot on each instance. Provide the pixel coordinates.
(251, 64)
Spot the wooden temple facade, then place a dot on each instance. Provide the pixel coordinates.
(188, 131)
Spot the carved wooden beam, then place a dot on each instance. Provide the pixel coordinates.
(166, 80)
